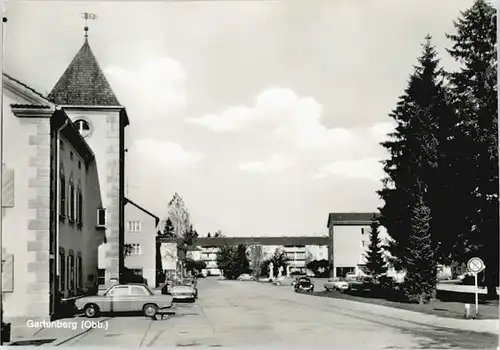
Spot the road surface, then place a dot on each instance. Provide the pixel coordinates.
(230, 313)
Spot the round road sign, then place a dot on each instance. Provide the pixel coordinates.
(475, 265)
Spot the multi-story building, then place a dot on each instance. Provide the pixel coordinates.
(88, 99)
(140, 238)
(63, 207)
(349, 234)
(350, 237)
(50, 205)
(299, 250)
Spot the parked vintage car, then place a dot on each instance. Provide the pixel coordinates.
(336, 283)
(246, 277)
(285, 281)
(362, 284)
(134, 297)
(183, 291)
(304, 284)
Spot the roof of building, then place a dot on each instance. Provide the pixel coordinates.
(128, 201)
(283, 240)
(83, 83)
(25, 86)
(345, 219)
(29, 106)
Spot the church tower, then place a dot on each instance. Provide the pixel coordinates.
(88, 99)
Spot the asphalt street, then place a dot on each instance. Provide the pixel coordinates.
(230, 313)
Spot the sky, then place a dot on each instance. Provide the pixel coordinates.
(264, 116)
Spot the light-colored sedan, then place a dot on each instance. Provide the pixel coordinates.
(125, 298)
(183, 292)
(246, 277)
(336, 284)
(285, 281)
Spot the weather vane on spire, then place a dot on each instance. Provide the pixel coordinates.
(86, 16)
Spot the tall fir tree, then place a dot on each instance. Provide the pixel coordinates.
(475, 95)
(420, 262)
(375, 263)
(415, 152)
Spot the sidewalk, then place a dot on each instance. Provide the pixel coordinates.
(30, 332)
(395, 314)
(482, 326)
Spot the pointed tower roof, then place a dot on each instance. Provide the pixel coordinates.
(83, 83)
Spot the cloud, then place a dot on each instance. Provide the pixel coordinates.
(381, 130)
(366, 169)
(158, 86)
(275, 163)
(169, 154)
(288, 116)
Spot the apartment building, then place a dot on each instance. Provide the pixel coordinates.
(299, 250)
(140, 238)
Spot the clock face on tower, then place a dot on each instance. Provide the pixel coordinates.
(83, 127)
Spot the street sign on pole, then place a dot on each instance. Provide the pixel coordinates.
(476, 265)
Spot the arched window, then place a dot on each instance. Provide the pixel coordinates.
(71, 272)
(62, 193)
(83, 127)
(71, 200)
(79, 205)
(79, 271)
(62, 270)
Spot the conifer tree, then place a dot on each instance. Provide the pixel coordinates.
(375, 263)
(415, 150)
(475, 184)
(420, 262)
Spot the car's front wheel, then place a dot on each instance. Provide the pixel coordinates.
(150, 310)
(91, 310)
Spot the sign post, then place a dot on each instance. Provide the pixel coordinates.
(476, 265)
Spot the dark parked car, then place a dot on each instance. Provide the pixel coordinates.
(304, 284)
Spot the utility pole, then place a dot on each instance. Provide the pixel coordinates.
(2, 51)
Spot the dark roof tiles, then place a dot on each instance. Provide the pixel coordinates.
(351, 218)
(29, 106)
(83, 83)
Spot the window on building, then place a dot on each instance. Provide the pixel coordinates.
(62, 198)
(71, 273)
(71, 201)
(135, 249)
(343, 271)
(71, 155)
(137, 272)
(79, 165)
(137, 290)
(101, 277)
(83, 127)
(79, 273)
(362, 231)
(62, 271)
(80, 206)
(134, 226)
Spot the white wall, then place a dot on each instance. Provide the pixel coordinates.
(146, 238)
(17, 154)
(104, 142)
(350, 245)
